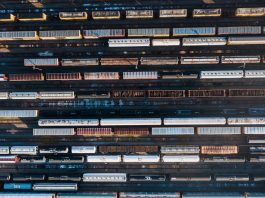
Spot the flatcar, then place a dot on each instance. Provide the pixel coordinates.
(64, 178)
(139, 14)
(246, 121)
(80, 62)
(200, 60)
(103, 33)
(19, 35)
(250, 12)
(172, 131)
(231, 178)
(66, 160)
(68, 122)
(130, 121)
(104, 177)
(55, 187)
(159, 61)
(59, 34)
(53, 132)
(207, 12)
(240, 59)
(141, 158)
(257, 150)
(28, 177)
(24, 150)
(104, 158)
(106, 14)
(165, 42)
(5, 177)
(198, 178)
(119, 61)
(26, 195)
(139, 42)
(147, 178)
(83, 149)
(224, 159)
(173, 13)
(180, 158)
(72, 15)
(31, 16)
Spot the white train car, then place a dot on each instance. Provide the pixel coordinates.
(23, 95)
(3, 77)
(59, 34)
(213, 195)
(139, 14)
(255, 195)
(173, 13)
(180, 149)
(240, 59)
(72, 15)
(4, 150)
(165, 42)
(19, 35)
(55, 187)
(87, 195)
(56, 95)
(255, 74)
(219, 130)
(113, 14)
(80, 62)
(3, 95)
(214, 12)
(68, 122)
(141, 158)
(104, 177)
(141, 75)
(24, 150)
(9, 159)
(26, 195)
(246, 121)
(204, 41)
(195, 121)
(104, 158)
(199, 60)
(173, 131)
(83, 149)
(130, 121)
(41, 62)
(103, 33)
(19, 113)
(139, 42)
(53, 132)
(150, 195)
(194, 31)
(149, 32)
(222, 74)
(252, 12)
(101, 76)
(234, 30)
(254, 130)
(246, 40)
(180, 158)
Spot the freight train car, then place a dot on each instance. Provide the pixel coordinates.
(104, 177)
(139, 14)
(101, 76)
(207, 12)
(150, 195)
(195, 121)
(68, 122)
(180, 158)
(103, 33)
(143, 75)
(59, 34)
(130, 121)
(55, 187)
(219, 150)
(128, 149)
(139, 42)
(204, 41)
(172, 131)
(104, 158)
(26, 77)
(200, 60)
(19, 113)
(149, 32)
(19, 35)
(250, 12)
(158, 61)
(141, 158)
(53, 132)
(94, 132)
(106, 14)
(173, 13)
(194, 31)
(80, 62)
(72, 15)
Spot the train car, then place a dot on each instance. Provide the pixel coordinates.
(254, 130)
(219, 130)
(250, 12)
(104, 177)
(206, 93)
(72, 15)
(33, 159)
(255, 74)
(26, 77)
(150, 195)
(68, 122)
(187, 31)
(255, 195)
(258, 159)
(195, 121)
(128, 149)
(213, 195)
(5, 177)
(87, 195)
(64, 178)
(231, 178)
(106, 14)
(239, 30)
(80, 62)
(32, 62)
(219, 150)
(180, 149)
(26, 195)
(165, 42)
(149, 32)
(59, 34)
(24, 150)
(131, 132)
(101, 76)
(172, 131)
(140, 75)
(257, 150)
(130, 121)
(9, 159)
(5, 17)
(3, 77)
(246, 92)
(63, 76)
(128, 94)
(17, 186)
(23, 95)
(147, 178)
(246, 121)
(204, 41)
(180, 158)
(224, 160)
(19, 35)
(56, 95)
(158, 61)
(215, 12)
(66, 160)
(53, 150)
(139, 42)
(139, 14)
(119, 61)
(53, 132)
(166, 93)
(83, 149)
(31, 16)
(94, 94)
(4, 150)
(246, 40)
(19, 113)
(222, 74)
(199, 60)
(55, 187)
(172, 13)
(206, 178)
(240, 59)
(94, 132)
(104, 158)
(141, 158)
(4, 95)
(103, 33)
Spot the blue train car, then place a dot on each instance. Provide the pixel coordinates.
(17, 186)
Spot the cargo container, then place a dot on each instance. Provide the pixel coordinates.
(128, 94)
(55, 187)
(94, 132)
(104, 177)
(231, 178)
(119, 61)
(56, 95)
(207, 12)
(141, 75)
(130, 121)
(149, 32)
(53, 132)
(106, 14)
(26, 195)
(255, 74)
(68, 122)
(139, 14)
(246, 121)
(158, 61)
(3, 77)
(101, 76)
(254, 130)
(80, 62)
(150, 195)
(240, 59)
(173, 131)
(221, 74)
(199, 60)
(18, 113)
(24, 150)
(104, 158)
(17, 186)
(128, 149)
(173, 13)
(224, 160)
(59, 34)
(23, 95)
(180, 149)
(166, 93)
(219, 130)
(131, 132)
(9, 159)
(26, 16)
(194, 31)
(63, 76)
(195, 121)
(219, 150)
(72, 15)
(4, 150)
(180, 158)
(207, 93)
(213, 195)
(165, 42)
(204, 41)
(139, 42)
(239, 30)
(103, 33)
(26, 77)
(191, 178)
(141, 158)
(7, 17)
(87, 195)
(83, 149)
(252, 12)
(66, 160)
(246, 40)
(19, 35)
(4, 95)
